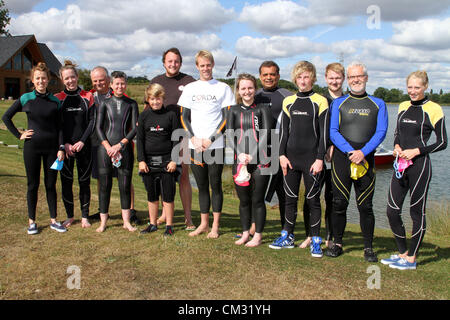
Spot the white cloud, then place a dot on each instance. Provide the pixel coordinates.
(20, 6)
(427, 33)
(276, 47)
(283, 16)
(100, 18)
(389, 10)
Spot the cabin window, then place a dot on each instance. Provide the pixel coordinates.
(27, 65)
(18, 61)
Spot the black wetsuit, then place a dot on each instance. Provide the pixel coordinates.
(95, 141)
(154, 147)
(248, 132)
(275, 99)
(415, 123)
(117, 119)
(328, 192)
(303, 140)
(45, 118)
(79, 122)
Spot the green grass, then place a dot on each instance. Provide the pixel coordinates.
(122, 265)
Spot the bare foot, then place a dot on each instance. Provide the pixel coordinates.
(129, 227)
(244, 238)
(214, 234)
(306, 243)
(68, 222)
(101, 228)
(85, 223)
(198, 231)
(160, 221)
(256, 241)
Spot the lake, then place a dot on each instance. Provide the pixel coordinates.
(439, 185)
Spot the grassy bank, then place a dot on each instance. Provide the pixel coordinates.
(122, 265)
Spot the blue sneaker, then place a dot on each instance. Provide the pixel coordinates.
(32, 229)
(403, 264)
(58, 227)
(392, 259)
(286, 241)
(316, 250)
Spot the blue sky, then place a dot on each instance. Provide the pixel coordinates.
(131, 35)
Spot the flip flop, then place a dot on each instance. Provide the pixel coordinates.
(190, 228)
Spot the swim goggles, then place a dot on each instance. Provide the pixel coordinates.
(400, 165)
(242, 177)
(358, 170)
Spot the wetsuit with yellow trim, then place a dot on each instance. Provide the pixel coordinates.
(303, 140)
(326, 182)
(415, 123)
(357, 122)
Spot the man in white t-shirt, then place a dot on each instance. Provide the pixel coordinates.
(203, 116)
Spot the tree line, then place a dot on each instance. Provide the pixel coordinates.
(388, 95)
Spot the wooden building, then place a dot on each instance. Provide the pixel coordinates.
(18, 54)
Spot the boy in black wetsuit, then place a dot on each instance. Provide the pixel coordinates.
(154, 147)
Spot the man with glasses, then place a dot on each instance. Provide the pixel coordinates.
(358, 125)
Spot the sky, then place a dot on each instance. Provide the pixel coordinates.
(392, 38)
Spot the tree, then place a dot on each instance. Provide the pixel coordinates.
(84, 79)
(4, 18)
(381, 93)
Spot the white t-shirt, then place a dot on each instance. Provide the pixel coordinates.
(206, 99)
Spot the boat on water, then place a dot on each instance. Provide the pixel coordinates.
(383, 156)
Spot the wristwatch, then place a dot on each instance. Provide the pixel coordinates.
(61, 148)
(122, 145)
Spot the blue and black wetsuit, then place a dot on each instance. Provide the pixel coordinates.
(358, 122)
(44, 116)
(415, 122)
(248, 132)
(79, 122)
(117, 118)
(303, 140)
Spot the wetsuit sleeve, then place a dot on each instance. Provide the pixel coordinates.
(265, 134)
(335, 136)
(91, 119)
(175, 126)
(380, 132)
(284, 130)
(221, 127)
(186, 121)
(323, 115)
(441, 138)
(134, 118)
(140, 138)
(60, 125)
(230, 129)
(101, 113)
(9, 114)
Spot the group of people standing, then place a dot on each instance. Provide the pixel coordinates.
(278, 138)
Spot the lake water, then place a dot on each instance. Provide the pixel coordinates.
(439, 185)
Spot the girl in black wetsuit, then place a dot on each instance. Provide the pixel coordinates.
(79, 122)
(154, 147)
(416, 120)
(43, 142)
(116, 127)
(248, 132)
